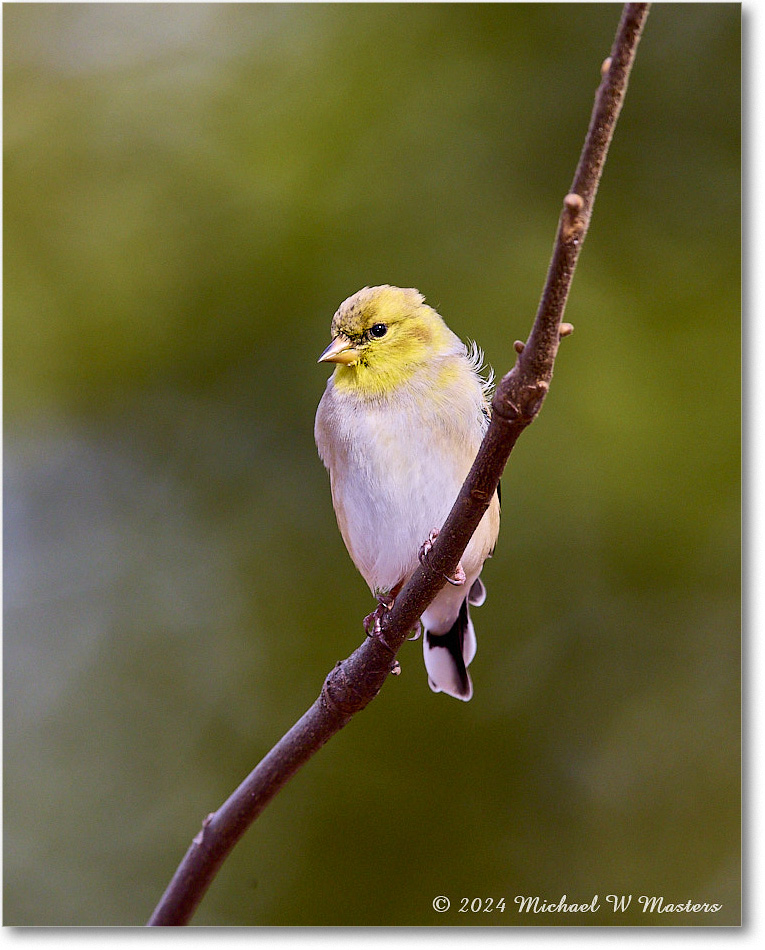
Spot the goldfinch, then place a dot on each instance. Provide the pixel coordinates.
(398, 428)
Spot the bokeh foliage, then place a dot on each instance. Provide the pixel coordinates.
(190, 191)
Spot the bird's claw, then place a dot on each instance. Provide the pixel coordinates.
(373, 621)
(457, 579)
(427, 545)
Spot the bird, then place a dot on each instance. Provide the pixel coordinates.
(398, 428)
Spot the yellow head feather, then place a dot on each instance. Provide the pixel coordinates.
(382, 335)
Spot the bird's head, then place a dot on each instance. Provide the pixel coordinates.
(382, 335)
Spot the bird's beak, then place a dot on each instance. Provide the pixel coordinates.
(340, 350)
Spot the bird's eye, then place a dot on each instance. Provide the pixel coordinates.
(378, 330)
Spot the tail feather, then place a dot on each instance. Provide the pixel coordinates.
(448, 655)
(477, 594)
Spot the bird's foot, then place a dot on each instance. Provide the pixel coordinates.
(458, 578)
(427, 545)
(373, 621)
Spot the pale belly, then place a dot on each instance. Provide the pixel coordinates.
(399, 486)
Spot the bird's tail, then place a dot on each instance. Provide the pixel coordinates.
(448, 655)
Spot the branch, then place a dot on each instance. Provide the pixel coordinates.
(354, 682)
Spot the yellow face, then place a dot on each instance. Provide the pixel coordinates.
(381, 335)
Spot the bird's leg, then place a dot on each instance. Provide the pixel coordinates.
(385, 602)
(373, 621)
(457, 579)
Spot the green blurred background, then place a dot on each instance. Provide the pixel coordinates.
(190, 192)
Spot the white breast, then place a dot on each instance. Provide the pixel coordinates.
(396, 467)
